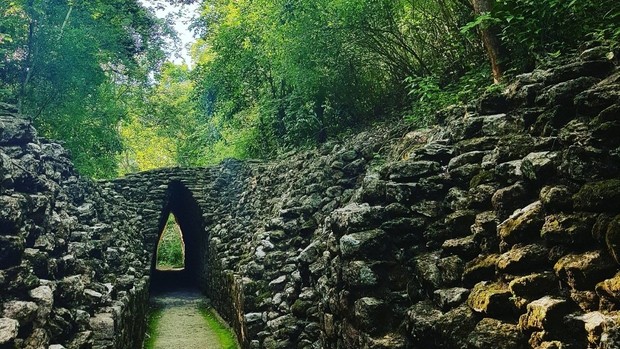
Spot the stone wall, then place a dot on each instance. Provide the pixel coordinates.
(70, 273)
(498, 228)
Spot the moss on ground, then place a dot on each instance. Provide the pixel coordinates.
(225, 336)
(154, 315)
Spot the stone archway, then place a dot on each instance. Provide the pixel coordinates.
(181, 203)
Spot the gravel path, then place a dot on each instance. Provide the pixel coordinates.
(181, 324)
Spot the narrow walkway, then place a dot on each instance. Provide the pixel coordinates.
(181, 323)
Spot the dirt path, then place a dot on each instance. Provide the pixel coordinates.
(181, 324)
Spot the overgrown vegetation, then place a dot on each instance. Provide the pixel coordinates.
(226, 338)
(171, 249)
(154, 315)
(268, 75)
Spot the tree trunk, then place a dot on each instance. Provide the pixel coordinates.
(490, 39)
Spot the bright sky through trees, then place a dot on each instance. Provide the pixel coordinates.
(181, 15)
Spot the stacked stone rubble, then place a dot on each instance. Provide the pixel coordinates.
(70, 275)
(498, 228)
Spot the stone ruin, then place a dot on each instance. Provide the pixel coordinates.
(498, 228)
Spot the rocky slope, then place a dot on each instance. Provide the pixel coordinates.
(498, 228)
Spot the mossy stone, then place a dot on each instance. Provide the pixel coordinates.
(601, 196)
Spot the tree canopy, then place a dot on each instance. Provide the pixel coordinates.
(268, 75)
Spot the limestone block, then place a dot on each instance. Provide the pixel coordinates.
(492, 299)
(410, 171)
(524, 224)
(534, 286)
(15, 131)
(8, 330)
(539, 165)
(480, 269)
(450, 297)
(545, 313)
(601, 196)
(568, 228)
(22, 311)
(582, 271)
(363, 244)
(103, 326)
(556, 198)
(492, 333)
(523, 259)
(371, 314)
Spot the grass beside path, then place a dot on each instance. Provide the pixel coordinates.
(224, 333)
(184, 319)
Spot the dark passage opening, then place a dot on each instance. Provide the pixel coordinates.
(181, 217)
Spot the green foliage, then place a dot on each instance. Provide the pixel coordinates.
(291, 73)
(269, 75)
(155, 314)
(534, 30)
(171, 249)
(429, 96)
(162, 127)
(68, 64)
(224, 335)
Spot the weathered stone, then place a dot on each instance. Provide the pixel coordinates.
(484, 231)
(450, 297)
(565, 91)
(583, 271)
(11, 250)
(522, 259)
(523, 225)
(479, 269)
(465, 247)
(458, 222)
(354, 216)
(368, 243)
(15, 131)
(433, 152)
(388, 341)
(24, 312)
(612, 238)
(546, 313)
(426, 268)
(610, 288)
(422, 319)
(601, 196)
(510, 171)
(454, 327)
(556, 198)
(491, 333)
(11, 215)
(492, 299)
(8, 330)
(568, 229)
(585, 164)
(451, 270)
(534, 286)
(359, 274)
(372, 314)
(506, 200)
(103, 326)
(539, 165)
(472, 157)
(593, 324)
(409, 171)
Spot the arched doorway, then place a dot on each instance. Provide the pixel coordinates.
(181, 230)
